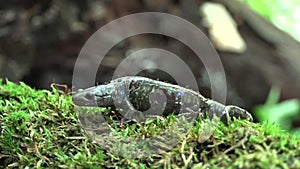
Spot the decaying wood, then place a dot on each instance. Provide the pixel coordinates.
(272, 57)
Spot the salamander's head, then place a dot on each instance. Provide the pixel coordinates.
(95, 96)
(238, 112)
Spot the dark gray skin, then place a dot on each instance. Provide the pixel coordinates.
(141, 97)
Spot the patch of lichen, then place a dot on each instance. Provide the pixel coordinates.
(40, 128)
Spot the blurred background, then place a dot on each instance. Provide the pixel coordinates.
(257, 41)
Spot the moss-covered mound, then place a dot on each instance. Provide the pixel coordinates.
(40, 129)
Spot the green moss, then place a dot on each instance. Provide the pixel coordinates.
(40, 128)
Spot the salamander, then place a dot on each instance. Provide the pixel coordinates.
(141, 97)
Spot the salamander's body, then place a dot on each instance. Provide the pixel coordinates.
(140, 96)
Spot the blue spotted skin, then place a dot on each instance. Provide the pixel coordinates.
(141, 96)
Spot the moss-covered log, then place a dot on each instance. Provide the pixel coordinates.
(40, 128)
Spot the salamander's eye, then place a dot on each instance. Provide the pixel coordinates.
(89, 96)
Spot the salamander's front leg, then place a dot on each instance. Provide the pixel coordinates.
(129, 113)
(121, 100)
(213, 108)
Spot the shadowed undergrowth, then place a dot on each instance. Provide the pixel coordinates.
(40, 128)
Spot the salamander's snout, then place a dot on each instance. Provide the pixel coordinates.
(85, 98)
(98, 96)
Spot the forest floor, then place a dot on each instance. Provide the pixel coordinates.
(41, 129)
